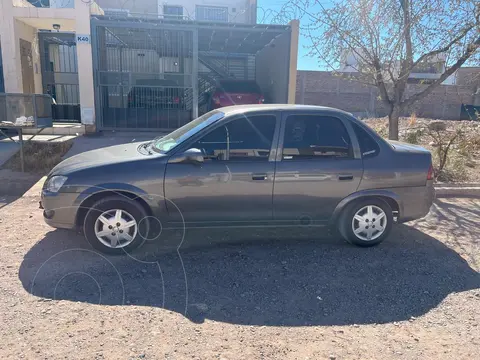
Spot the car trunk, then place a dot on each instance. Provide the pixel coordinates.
(402, 147)
(412, 158)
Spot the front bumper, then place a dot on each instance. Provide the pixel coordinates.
(59, 209)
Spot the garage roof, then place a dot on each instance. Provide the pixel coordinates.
(212, 36)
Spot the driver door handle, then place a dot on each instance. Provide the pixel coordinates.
(259, 176)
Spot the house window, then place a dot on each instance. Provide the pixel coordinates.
(172, 11)
(211, 13)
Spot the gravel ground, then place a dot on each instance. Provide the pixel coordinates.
(291, 295)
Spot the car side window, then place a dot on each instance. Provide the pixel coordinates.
(244, 139)
(315, 137)
(368, 146)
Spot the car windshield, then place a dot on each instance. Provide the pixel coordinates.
(175, 138)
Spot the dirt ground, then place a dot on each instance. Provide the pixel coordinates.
(292, 295)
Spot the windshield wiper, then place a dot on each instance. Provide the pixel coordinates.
(147, 147)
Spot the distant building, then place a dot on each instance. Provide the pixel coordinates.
(424, 73)
(236, 11)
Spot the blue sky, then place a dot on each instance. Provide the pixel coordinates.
(305, 62)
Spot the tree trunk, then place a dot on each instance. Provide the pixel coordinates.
(393, 117)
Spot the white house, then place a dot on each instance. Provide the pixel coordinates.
(93, 58)
(425, 72)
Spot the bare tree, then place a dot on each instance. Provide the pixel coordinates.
(390, 39)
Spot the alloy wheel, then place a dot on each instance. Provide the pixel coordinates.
(369, 223)
(116, 228)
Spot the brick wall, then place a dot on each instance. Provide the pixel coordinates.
(324, 88)
(468, 76)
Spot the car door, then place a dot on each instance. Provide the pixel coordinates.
(318, 164)
(234, 184)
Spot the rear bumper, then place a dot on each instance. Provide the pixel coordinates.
(416, 201)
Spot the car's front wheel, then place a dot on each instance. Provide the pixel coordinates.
(366, 222)
(115, 225)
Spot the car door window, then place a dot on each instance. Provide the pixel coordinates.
(315, 137)
(244, 139)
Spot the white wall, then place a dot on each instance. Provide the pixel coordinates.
(273, 76)
(85, 65)
(10, 49)
(28, 33)
(239, 11)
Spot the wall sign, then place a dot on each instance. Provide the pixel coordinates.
(88, 115)
(82, 39)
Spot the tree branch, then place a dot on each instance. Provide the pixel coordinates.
(445, 48)
(380, 82)
(343, 34)
(471, 48)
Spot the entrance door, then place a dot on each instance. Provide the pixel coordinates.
(26, 62)
(234, 185)
(317, 169)
(60, 74)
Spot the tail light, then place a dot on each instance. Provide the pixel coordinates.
(216, 100)
(261, 100)
(431, 173)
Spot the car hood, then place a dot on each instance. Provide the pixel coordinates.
(104, 156)
(402, 147)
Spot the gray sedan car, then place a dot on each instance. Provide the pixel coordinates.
(252, 165)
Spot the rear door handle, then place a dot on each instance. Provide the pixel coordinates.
(259, 176)
(345, 177)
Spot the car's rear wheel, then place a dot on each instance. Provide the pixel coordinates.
(114, 225)
(366, 222)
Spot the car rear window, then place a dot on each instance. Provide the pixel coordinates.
(368, 146)
(239, 87)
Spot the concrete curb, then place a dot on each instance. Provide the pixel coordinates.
(16, 183)
(36, 189)
(457, 190)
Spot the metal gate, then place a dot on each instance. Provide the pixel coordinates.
(58, 57)
(144, 75)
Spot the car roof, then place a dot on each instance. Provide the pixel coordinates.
(239, 109)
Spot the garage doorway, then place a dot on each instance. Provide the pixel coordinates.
(143, 76)
(161, 74)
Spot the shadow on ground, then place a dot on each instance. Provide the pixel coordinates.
(287, 280)
(14, 183)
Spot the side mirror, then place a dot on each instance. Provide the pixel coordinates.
(190, 156)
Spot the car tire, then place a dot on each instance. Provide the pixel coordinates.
(360, 227)
(101, 227)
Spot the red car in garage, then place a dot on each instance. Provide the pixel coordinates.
(236, 92)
